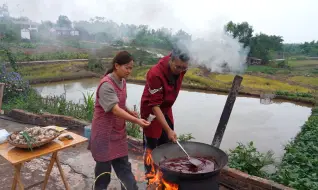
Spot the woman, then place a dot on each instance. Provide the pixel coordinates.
(163, 83)
(108, 142)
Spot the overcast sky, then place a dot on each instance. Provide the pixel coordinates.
(295, 20)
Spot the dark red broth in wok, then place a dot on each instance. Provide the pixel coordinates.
(183, 165)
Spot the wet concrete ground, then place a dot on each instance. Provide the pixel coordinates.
(77, 163)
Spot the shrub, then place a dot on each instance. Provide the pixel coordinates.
(247, 159)
(185, 137)
(14, 84)
(95, 64)
(299, 166)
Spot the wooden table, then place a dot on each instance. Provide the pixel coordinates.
(17, 157)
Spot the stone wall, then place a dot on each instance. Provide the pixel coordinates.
(231, 178)
(46, 119)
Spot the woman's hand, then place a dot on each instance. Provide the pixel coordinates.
(134, 113)
(172, 136)
(143, 123)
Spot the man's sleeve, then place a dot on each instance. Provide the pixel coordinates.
(107, 97)
(155, 90)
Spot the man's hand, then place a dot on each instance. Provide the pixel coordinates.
(172, 136)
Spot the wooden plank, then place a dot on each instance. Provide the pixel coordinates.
(218, 136)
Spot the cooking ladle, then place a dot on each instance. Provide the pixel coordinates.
(193, 161)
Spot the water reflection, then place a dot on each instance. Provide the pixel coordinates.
(269, 125)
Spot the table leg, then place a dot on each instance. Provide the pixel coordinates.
(17, 178)
(49, 169)
(61, 172)
(55, 158)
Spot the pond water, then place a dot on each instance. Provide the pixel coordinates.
(270, 126)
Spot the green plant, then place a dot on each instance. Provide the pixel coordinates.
(247, 159)
(185, 137)
(290, 94)
(283, 64)
(299, 166)
(28, 139)
(133, 130)
(95, 64)
(89, 104)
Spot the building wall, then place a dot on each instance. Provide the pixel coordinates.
(25, 34)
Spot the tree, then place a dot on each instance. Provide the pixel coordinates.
(64, 21)
(45, 25)
(243, 31)
(263, 46)
(310, 48)
(182, 36)
(4, 10)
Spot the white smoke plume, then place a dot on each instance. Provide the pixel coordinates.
(219, 52)
(212, 47)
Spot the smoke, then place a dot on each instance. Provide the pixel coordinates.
(218, 51)
(212, 47)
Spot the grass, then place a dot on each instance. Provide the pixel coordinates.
(140, 72)
(34, 103)
(302, 63)
(43, 71)
(312, 81)
(262, 69)
(249, 81)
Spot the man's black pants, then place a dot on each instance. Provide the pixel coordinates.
(123, 171)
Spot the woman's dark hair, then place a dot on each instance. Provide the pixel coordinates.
(181, 52)
(121, 58)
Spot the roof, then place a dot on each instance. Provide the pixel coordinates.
(25, 22)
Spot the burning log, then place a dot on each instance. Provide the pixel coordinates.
(155, 176)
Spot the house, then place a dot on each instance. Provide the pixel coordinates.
(25, 34)
(31, 26)
(26, 28)
(64, 31)
(253, 61)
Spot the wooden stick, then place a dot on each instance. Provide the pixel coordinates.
(49, 169)
(61, 172)
(218, 136)
(16, 178)
(19, 177)
(1, 94)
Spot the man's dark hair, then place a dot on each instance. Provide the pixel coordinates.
(181, 52)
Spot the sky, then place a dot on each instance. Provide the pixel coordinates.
(296, 21)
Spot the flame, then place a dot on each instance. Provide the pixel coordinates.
(149, 162)
(155, 179)
(169, 186)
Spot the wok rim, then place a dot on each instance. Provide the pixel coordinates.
(219, 168)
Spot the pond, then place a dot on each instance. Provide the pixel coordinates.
(270, 126)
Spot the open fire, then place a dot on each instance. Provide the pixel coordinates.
(155, 176)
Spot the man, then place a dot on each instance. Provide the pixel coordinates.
(163, 83)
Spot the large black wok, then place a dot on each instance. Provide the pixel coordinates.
(171, 150)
